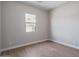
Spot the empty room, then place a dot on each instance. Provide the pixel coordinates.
(39, 28)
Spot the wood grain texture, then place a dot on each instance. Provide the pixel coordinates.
(43, 49)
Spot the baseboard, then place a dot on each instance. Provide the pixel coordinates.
(23, 45)
(72, 46)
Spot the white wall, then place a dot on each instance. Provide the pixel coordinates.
(14, 28)
(65, 24)
(0, 25)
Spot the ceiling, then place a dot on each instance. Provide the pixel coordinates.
(46, 5)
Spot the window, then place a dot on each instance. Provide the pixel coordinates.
(30, 22)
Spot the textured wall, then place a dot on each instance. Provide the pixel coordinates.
(14, 33)
(0, 26)
(65, 23)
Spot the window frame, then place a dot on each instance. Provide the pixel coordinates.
(33, 24)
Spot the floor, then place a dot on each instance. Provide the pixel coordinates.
(43, 49)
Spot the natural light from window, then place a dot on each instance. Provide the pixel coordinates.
(30, 22)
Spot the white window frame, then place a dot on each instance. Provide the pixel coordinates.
(30, 25)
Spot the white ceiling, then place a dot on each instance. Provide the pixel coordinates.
(46, 5)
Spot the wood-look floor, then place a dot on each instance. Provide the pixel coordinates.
(43, 49)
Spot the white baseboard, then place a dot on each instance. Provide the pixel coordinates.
(65, 44)
(22, 45)
(38, 42)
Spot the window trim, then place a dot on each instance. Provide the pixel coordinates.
(30, 23)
